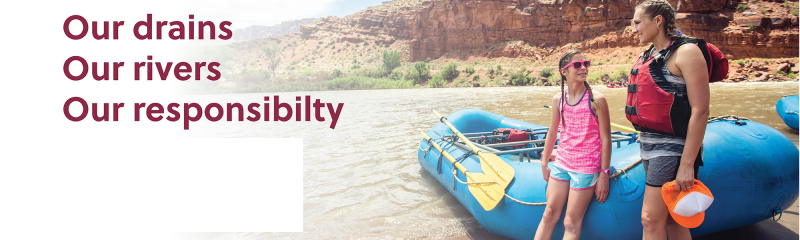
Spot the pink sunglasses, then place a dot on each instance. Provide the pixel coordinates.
(577, 64)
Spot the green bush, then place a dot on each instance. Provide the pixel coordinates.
(469, 70)
(476, 78)
(519, 78)
(437, 81)
(396, 75)
(450, 71)
(419, 73)
(546, 72)
(556, 78)
(391, 60)
(742, 7)
(740, 62)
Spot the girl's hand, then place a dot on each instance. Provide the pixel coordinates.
(685, 178)
(601, 190)
(545, 171)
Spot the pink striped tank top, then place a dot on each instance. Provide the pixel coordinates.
(579, 148)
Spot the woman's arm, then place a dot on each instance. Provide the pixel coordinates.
(605, 138)
(692, 67)
(550, 140)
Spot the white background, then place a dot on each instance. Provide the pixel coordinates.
(34, 89)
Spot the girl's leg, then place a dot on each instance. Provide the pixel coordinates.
(675, 231)
(576, 208)
(654, 214)
(557, 192)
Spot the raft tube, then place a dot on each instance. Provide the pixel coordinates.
(788, 109)
(751, 169)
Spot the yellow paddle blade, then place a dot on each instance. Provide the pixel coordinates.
(497, 169)
(503, 173)
(487, 194)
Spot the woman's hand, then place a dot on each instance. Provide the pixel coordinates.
(601, 190)
(685, 178)
(545, 171)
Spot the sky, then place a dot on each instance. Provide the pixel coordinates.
(244, 13)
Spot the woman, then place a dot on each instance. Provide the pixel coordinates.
(676, 155)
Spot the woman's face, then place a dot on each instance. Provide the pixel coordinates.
(644, 27)
(573, 74)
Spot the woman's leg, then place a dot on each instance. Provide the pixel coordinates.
(675, 231)
(557, 192)
(577, 203)
(654, 214)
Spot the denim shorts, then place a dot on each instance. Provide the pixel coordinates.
(577, 181)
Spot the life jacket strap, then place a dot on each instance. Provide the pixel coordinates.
(630, 110)
(631, 88)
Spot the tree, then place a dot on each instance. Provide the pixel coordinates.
(420, 73)
(271, 51)
(391, 60)
(450, 71)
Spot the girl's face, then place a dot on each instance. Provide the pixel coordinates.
(644, 27)
(573, 74)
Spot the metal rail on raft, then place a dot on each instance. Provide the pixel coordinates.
(532, 151)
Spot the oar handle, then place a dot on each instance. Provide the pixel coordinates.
(455, 130)
(471, 146)
(458, 165)
(613, 125)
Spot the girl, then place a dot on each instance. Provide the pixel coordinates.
(668, 157)
(584, 152)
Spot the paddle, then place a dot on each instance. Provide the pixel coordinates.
(613, 125)
(491, 164)
(487, 194)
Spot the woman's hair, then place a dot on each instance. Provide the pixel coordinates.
(653, 8)
(565, 59)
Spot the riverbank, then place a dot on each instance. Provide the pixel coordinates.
(450, 74)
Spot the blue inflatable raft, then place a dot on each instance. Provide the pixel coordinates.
(751, 169)
(788, 108)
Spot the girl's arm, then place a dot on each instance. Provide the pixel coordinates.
(692, 67)
(550, 140)
(605, 138)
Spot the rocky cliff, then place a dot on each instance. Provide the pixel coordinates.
(256, 32)
(434, 28)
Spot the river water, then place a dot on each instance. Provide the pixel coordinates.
(363, 179)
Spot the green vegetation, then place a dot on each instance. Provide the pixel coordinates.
(519, 78)
(742, 7)
(396, 75)
(469, 70)
(391, 60)
(450, 71)
(420, 73)
(437, 81)
(546, 72)
(271, 52)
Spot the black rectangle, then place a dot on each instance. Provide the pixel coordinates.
(179, 185)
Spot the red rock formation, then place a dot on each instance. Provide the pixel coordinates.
(435, 28)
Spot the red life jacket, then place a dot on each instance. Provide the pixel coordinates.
(514, 135)
(653, 104)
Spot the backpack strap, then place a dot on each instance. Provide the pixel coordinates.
(659, 61)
